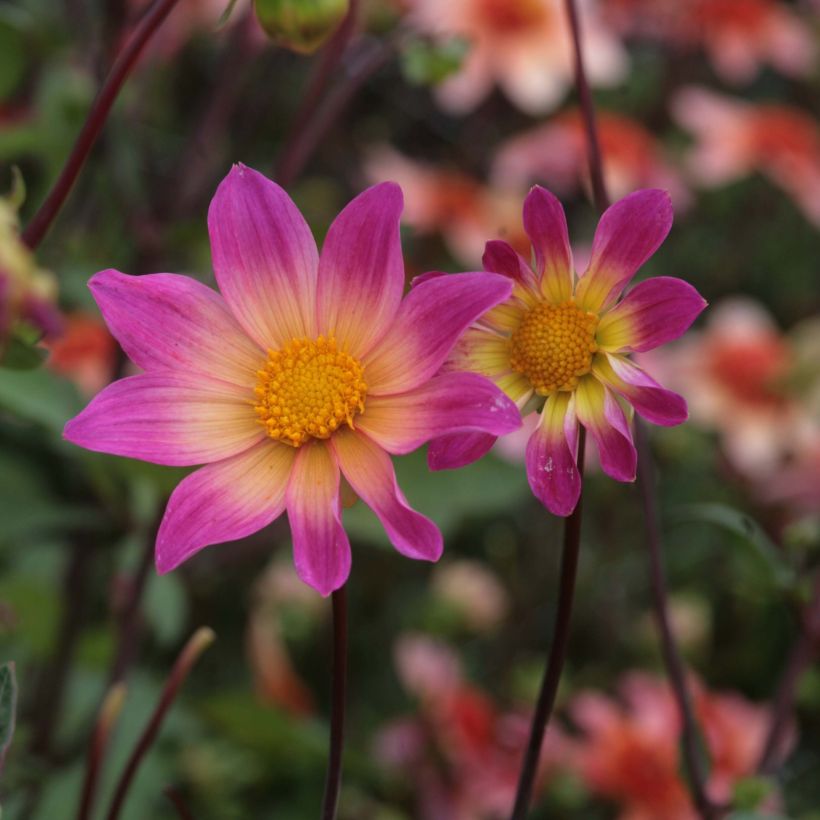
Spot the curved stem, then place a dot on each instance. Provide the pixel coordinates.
(198, 642)
(41, 221)
(557, 652)
(645, 478)
(338, 683)
(178, 803)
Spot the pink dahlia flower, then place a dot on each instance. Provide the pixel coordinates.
(560, 344)
(306, 368)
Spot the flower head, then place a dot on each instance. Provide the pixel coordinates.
(521, 45)
(560, 344)
(305, 369)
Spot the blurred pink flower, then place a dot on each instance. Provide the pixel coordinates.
(555, 154)
(85, 352)
(734, 374)
(522, 45)
(629, 750)
(461, 754)
(735, 139)
(473, 591)
(442, 200)
(739, 36)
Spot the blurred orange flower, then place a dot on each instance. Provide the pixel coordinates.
(629, 750)
(85, 353)
(522, 45)
(736, 138)
(555, 154)
(464, 211)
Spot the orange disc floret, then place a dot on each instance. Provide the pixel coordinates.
(308, 389)
(553, 346)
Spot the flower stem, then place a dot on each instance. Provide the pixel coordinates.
(178, 803)
(197, 643)
(41, 221)
(338, 683)
(645, 477)
(802, 655)
(329, 59)
(557, 652)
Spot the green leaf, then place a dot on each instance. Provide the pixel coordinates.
(8, 707)
(750, 533)
(750, 792)
(21, 355)
(39, 396)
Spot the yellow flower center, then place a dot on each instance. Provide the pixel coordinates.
(553, 346)
(308, 389)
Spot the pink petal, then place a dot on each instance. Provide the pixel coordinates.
(449, 403)
(653, 402)
(321, 550)
(629, 232)
(361, 270)
(368, 469)
(501, 257)
(264, 257)
(598, 410)
(224, 501)
(459, 450)
(430, 320)
(552, 468)
(652, 313)
(168, 321)
(168, 418)
(546, 226)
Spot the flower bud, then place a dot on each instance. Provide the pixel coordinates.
(300, 25)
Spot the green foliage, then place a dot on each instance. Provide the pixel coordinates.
(8, 707)
(429, 63)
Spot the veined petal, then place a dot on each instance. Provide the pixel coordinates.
(481, 351)
(449, 403)
(321, 549)
(598, 410)
(224, 501)
(629, 232)
(168, 321)
(546, 226)
(552, 450)
(458, 450)
(430, 320)
(169, 418)
(501, 257)
(653, 402)
(264, 257)
(361, 270)
(369, 471)
(652, 313)
(504, 317)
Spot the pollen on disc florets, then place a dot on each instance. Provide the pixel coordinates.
(553, 346)
(308, 389)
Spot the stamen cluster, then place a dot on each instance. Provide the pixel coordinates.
(553, 346)
(307, 389)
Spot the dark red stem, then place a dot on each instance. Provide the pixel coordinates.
(557, 653)
(338, 683)
(41, 221)
(201, 639)
(646, 478)
(179, 804)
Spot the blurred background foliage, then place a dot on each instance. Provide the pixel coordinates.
(248, 736)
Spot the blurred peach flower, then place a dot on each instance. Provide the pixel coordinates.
(521, 45)
(734, 374)
(85, 352)
(473, 591)
(275, 680)
(735, 139)
(629, 750)
(738, 36)
(555, 154)
(466, 212)
(461, 753)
